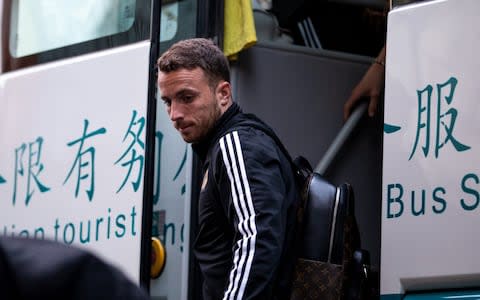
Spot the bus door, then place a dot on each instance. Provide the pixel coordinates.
(175, 167)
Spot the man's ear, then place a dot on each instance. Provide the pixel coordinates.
(224, 93)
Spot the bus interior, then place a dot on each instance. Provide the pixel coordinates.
(299, 87)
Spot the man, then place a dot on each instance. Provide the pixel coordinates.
(247, 201)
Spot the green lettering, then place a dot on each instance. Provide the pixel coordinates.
(470, 191)
(37, 232)
(65, 240)
(165, 232)
(391, 200)
(422, 209)
(99, 221)
(87, 238)
(120, 225)
(133, 214)
(441, 201)
(108, 223)
(56, 227)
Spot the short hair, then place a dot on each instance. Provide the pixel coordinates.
(196, 53)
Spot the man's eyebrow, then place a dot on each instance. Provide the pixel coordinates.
(180, 93)
(186, 91)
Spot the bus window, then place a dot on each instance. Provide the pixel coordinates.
(178, 22)
(40, 31)
(37, 26)
(168, 22)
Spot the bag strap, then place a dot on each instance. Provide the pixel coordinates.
(300, 166)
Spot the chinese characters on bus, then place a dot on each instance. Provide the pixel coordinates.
(84, 162)
(28, 177)
(444, 118)
(435, 124)
(29, 168)
(159, 143)
(135, 132)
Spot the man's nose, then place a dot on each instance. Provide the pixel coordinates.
(175, 112)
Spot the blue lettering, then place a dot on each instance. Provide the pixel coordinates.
(441, 201)
(165, 231)
(65, 240)
(56, 227)
(87, 238)
(120, 225)
(470, 191)
(108, 223)
(391, 200)
(37, 233)
(422, 209)
(99, 221)
(133, 214)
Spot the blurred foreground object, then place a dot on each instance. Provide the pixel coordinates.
(40, 269)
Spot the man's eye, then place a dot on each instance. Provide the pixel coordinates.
(167, 102)
(187, 98)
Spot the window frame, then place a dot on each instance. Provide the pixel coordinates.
(139, 31)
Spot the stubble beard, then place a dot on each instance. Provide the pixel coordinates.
(211, 121)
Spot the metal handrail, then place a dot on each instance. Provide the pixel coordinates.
(341, 137)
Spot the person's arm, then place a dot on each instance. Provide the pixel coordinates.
(255, 199)
(371, 86)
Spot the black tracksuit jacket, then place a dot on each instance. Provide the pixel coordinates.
(247, 208)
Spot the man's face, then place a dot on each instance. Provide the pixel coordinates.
(191, 103)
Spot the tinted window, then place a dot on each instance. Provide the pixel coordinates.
(45, 30)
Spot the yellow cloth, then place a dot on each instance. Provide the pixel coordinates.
(239, 29)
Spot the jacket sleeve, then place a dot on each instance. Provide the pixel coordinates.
(254, 200)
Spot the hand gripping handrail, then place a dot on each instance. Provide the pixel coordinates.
(341, 137)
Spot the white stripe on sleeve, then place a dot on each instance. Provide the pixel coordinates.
(242, 199)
